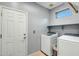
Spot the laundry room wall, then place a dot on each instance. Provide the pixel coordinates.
(38, 21)
(66, 28)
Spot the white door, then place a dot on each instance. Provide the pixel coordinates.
(0, 33)
(14, 33)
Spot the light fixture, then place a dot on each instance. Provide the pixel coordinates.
(50, 5)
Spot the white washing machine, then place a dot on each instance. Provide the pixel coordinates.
(68, 45)
(47, 43)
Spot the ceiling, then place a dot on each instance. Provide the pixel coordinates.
(49, 5)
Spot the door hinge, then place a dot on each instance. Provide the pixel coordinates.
(0, 35)
(1, 13)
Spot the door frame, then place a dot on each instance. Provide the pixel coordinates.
(26, 13)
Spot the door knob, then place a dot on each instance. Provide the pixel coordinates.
(24, 37)
(24, 34)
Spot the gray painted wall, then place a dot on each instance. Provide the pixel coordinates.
(38, 20)
(67, 28)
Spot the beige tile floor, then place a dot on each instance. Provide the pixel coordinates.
(38, 53)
